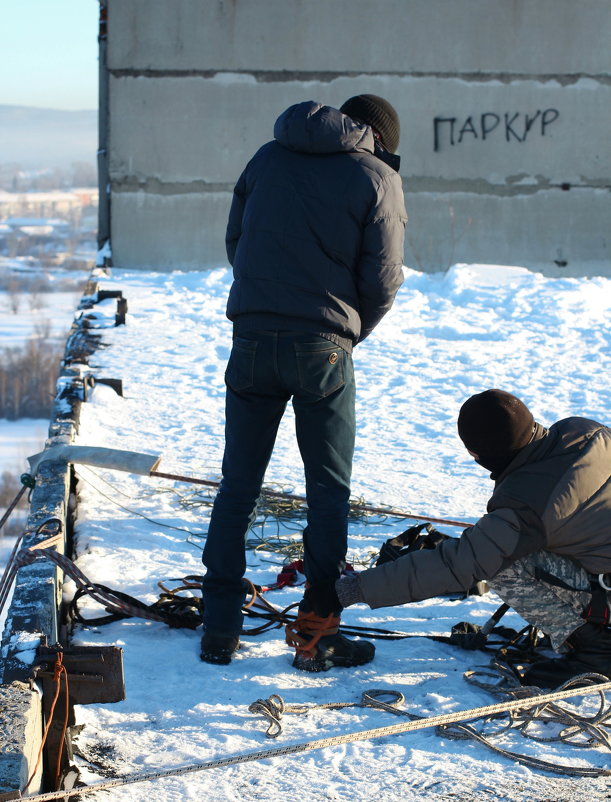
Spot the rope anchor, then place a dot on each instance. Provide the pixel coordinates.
(274, 707)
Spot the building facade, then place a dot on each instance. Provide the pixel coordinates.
(504, 107)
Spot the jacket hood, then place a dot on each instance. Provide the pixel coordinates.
(310, 127)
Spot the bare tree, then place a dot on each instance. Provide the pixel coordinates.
(13, 291)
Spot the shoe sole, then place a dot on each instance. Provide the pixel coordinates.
(219, 658)
(316, 665)
(216, 659)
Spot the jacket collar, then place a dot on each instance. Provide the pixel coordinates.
(526, 454)
(391, 159)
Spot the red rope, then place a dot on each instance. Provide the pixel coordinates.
(58, 671)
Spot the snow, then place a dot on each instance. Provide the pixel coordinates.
(51, 316)
(448, 336)
(17, 439)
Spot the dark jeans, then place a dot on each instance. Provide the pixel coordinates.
(265, 370)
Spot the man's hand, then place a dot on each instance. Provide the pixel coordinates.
(410, 540)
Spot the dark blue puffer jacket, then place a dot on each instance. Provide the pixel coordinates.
(315, 232)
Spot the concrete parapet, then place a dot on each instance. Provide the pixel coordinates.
(33, 616)
(20, 735)
(490, 229)
(469, 227)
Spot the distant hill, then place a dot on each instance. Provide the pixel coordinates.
(38, 138)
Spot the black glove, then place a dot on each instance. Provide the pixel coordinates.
(410, 540)
(468, 636)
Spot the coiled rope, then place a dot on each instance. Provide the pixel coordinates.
(534, 701)
(576, 729)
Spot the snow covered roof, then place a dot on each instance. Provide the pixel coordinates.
(36, 222)
(448, 335)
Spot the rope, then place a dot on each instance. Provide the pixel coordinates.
(274, 707)
(13, 564)
(535, 700)
(58, 672)
(277, 506)
(135, 512)
(576, 730)
(391, 512)
(27, 481)
(186, 611)
(113, 601)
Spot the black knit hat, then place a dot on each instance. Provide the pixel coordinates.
(379, 114)
(495, 425)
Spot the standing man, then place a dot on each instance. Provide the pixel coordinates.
(544, 545)
(315, 238)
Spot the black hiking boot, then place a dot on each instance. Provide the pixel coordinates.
(219, 649)
(591, 654)
(319, 646)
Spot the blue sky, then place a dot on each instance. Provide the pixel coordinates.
(49, 53)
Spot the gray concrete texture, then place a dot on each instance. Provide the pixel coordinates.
(505, 111)
(20, 733)
(505, 36)
(442, 230)
(190, 130)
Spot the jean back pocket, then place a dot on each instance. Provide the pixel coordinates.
(320, 367)
(240, 372)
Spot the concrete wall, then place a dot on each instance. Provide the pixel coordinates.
(505, 108)
(33, 616)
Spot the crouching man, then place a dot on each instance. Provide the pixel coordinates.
(544, 545)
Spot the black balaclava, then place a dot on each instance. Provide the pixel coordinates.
(495, 425)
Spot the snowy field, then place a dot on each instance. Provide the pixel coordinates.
(53, 317)
(448, 336)
(20, 439)
(23, 315)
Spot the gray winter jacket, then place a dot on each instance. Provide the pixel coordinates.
(555, 495)
(316, 228)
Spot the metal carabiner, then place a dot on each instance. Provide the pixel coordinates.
(602, 583)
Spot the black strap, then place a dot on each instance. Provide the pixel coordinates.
(597, 610)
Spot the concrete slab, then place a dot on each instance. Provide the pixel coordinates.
(20, 734)
(169, 232)
(547, 231)
(196, 132)
(436, 36)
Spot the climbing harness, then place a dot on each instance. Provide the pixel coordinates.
(412, 540)
(597, 610)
